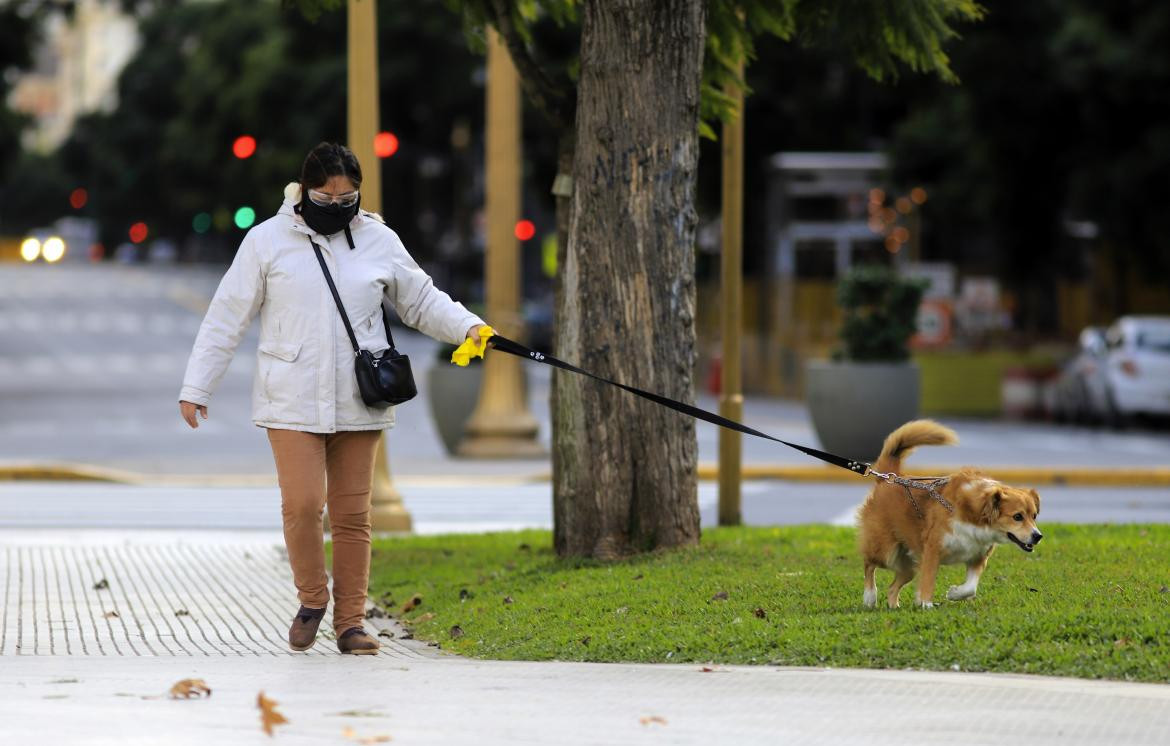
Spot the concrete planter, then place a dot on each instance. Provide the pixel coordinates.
(854, 406)
(452, 394)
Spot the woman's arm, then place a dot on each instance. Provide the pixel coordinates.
(423, 306)
(235, 304)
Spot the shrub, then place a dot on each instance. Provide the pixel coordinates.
(880, 311)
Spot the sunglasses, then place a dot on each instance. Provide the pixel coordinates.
(322, 199)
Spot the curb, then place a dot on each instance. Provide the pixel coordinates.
(1069, 477)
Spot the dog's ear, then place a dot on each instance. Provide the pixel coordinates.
(1036, 497)
(991, 500)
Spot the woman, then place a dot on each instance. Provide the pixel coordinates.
(305, 392)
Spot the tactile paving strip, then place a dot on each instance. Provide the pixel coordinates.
(157, 599)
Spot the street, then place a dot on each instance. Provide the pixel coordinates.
(197, 585)
(129, 330)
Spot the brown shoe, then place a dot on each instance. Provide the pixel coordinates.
(355, 640)
(303, 632)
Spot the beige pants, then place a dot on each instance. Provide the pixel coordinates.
(315, 470)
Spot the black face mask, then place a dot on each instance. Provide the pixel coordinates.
(327, 220)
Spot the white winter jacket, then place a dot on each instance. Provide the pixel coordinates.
(304, 374)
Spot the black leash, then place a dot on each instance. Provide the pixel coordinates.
(930, 485)
(515, 348)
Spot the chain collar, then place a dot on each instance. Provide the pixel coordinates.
(929, 485)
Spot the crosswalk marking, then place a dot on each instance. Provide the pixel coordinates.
(41, 368)
(111, 322)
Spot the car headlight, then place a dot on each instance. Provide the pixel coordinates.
(30, 249)
(53, 249)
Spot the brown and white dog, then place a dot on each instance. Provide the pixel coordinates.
(893, 534)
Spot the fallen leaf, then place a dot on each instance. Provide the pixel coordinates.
(706, 669)
(386, 633)
(508, 600)
(456, 632)
(101, 585)
(111, 615)
(425, 617)
(760, 613)
(413, 603)
(361, 713)
(188, 688)
(653, 719)
(375, 612)
(721, 596)
(268, 714)
(182, 612)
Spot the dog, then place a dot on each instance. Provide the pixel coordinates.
(910, 530)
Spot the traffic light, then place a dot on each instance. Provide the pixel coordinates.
(385, 144)
(244, 146)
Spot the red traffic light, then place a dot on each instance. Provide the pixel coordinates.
(244, 146)
(385, 144)
(138, 232)
(525, 230)
(78, 197)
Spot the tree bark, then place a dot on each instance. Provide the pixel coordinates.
(624, 476)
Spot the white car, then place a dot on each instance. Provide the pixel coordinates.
(1137, 367)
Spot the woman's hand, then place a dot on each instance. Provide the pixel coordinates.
(188, 410)
(473, 334)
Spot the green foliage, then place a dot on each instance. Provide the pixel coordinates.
(880, 311)
(1086, 138)
(1090, 602)
(209, 72)
(880, 35)
(18, 33)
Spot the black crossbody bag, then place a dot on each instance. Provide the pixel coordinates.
(384, 380)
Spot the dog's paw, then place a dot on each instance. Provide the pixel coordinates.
(924, 604)
(869, 598)
(959, 593)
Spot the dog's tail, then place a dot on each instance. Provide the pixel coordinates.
(905, 439)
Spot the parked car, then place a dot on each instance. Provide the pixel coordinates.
(1137, 367)
(1079, 393)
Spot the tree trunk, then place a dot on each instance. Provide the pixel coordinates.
(624, 477)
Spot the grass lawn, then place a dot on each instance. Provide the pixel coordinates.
(1092, 601)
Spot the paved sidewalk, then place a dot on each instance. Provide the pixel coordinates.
(215, 606)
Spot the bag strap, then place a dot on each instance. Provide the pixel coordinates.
(341, 308)
(515, 348)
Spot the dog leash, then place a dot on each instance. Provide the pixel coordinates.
(930, 485)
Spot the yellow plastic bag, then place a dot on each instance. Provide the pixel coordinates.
(472, 348)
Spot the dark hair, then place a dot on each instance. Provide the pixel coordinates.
(329, 159)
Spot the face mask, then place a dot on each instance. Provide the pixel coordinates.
(327, 220)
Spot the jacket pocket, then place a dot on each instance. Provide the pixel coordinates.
(286, 351)
(286, 384)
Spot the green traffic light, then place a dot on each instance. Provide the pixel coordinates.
(201, 222)
(245, 216)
